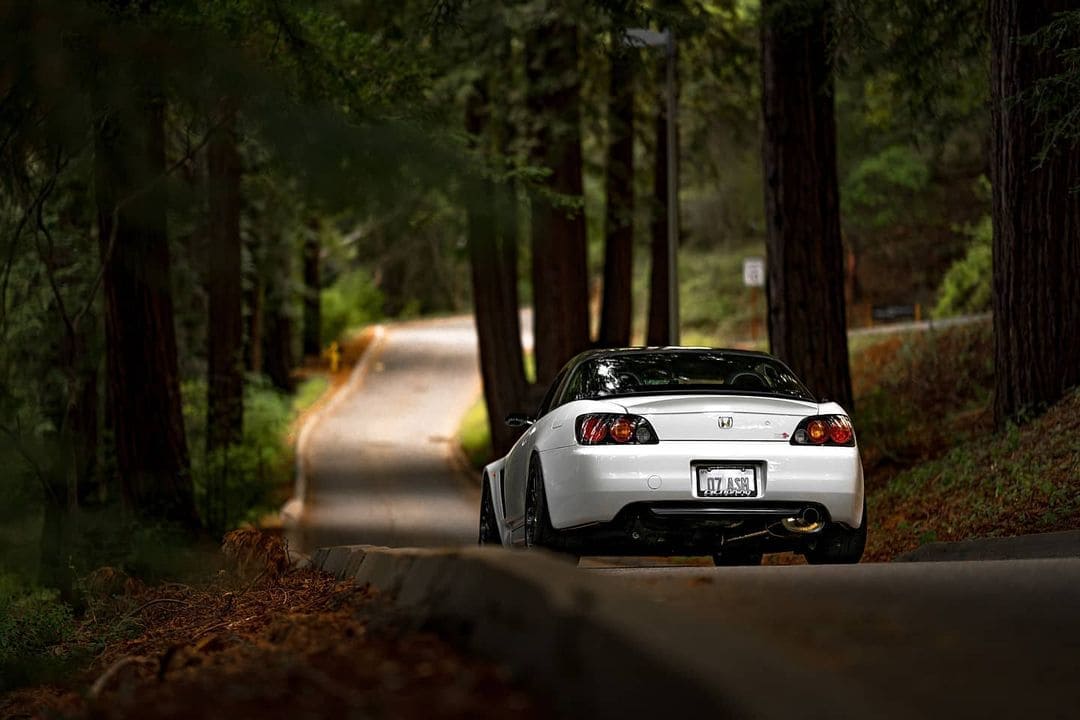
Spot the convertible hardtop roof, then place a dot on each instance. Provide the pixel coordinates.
(612, 352)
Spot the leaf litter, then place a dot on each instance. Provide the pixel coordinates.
(261, 639)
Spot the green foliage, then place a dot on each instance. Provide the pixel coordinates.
(308, 393)
(922, 64)
(880, 188)
(1055, 100)
(352, 301)
(234, 484)
(918, 393)
(714, 305)
(33, 621)
(1023, 482)
(474, 435)
(966, 286)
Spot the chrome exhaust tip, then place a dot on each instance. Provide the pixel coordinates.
(807, 522)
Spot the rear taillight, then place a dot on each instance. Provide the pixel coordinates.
(609, 429)
(831, 430)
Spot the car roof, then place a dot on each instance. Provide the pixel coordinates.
(618, 352)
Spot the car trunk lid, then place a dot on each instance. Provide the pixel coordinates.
(721, 418)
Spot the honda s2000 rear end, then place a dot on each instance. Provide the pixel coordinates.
(681, 451)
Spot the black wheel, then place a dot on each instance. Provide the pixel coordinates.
(489, 531)
(838, 545)
(734, 558)
(538, 529)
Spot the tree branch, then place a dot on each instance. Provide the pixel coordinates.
(28, 213)
(49, 260)
(29, 460)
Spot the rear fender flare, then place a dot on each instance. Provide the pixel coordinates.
(493, 475)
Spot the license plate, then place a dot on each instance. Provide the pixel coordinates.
(727, 481)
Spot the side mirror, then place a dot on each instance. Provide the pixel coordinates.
(518, 420)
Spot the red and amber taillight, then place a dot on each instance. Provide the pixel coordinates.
(611, 429)
(831, 430)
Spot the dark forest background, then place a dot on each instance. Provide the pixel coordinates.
(195, 196)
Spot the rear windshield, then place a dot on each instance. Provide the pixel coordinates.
(683, 372)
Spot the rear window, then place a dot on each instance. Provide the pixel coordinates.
(679, 372)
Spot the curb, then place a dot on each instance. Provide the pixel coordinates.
(595, 650)
(293, 510)
(1064, 544)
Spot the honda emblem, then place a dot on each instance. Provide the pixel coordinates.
(726, 422)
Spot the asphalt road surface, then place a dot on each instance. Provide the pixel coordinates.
(946, 639)
(378, 463)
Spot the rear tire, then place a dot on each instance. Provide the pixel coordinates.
(737, 559)
(489, 529)
(539, 532)
(839, 545)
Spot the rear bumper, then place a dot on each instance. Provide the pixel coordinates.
(593, 485)
(674, 528)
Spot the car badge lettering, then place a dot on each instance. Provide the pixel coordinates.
(726, 422)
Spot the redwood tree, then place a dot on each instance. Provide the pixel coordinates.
(1036, 216)
(142, 379)
(807, 321)
(278, 357)
(659, 328)
(560, 277)
(619, 216)
(312, 290)
(225, 342)
(278, 300)
(493, 257)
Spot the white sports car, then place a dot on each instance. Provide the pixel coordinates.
(680, 451)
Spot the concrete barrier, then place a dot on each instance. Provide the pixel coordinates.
(596, 650)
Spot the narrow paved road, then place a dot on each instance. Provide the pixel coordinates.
(379, 466)
(946, 639)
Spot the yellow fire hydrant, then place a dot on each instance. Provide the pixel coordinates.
(333, 354)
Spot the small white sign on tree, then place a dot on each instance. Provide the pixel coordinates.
(753, 272)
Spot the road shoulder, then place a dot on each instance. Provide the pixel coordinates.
(1064, 544)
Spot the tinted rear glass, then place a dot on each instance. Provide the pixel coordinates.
(688, 372)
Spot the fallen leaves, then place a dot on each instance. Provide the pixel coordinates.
(288, 644)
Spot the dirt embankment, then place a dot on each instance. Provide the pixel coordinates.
(263, 641)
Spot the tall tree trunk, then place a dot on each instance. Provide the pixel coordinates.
(74, 480)
(493, 256)
(807, 315)
(392, 279)
(254, 304)
(560, 275)
(1036, 215)
(57, 530)
(278, 353)
(225, 344)
(142, 377)
(312, 293)
(619, 218)
(659, 327)
(82, 426)
(278, 360)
